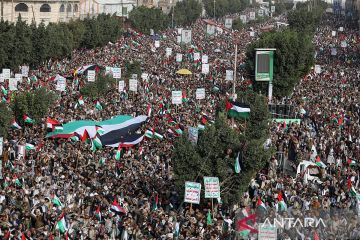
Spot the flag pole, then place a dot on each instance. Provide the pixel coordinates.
(234, 82)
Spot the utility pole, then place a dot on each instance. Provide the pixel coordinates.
(214, 9)
(172, 17)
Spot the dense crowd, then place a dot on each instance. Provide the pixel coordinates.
(142, 181)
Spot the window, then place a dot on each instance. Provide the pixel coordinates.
(45, 8)
(62, 8)
(76, 8)
(21, 7)
(68, 8)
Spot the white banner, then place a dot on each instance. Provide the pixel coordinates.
(186, 36)
(317, 69)
(116, 72)
(178, 39)
(18, 77)
(145, 76)
(333, 51)
(108, 70)
(229, 75)
(6, 73)
(200, 93)
(168, 52)
(210, 29)
(133, 85)
(252, 34)
(272, 9)
(205, 68)
(1, 147)
(151, 32)
(261, 12)
(61, 84)
(228, 23)
(204, 59)
(1, 77)
(192, 192)
(333, 33)
(343, 44)
(341, 29)
(178, 57)
(157, 43)
(212, 187)
(196, 56)
(12, 84)
(25, 71)
(179, 31)
(267, 232)
(176, 97)
(252, 16)
(91, 75)
(121, 86)
(243, 18)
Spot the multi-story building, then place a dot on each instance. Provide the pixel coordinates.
(120, 8)
(39, 10)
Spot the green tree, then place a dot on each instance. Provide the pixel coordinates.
(22, 47)
(238, 24)
(217, 148)
(35, 104)
(102, 85)
(132, 67)
(5, 119)
(186, 12)
(39, 40)
(224, 7)
(143, 19)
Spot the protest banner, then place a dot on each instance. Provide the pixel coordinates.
(6, 73)
(243, 19)
(145, 76)
(252, 34)
(317, 69)
(25, 71)
(212, 187)
(133, 85)
(157, 44)
(121, 86)
(228, 23)
(267, 232)
(205, 68)
(252, 15)
(91, 75)
(108, 70)
(176, 97)
(343, 44)
(61, 84)
(193, 135)
(13, 84)
(1, 77)
(229, 75)
(204, 59)
(186, 36)
(272, 9)
(18, 77)
(261, 12)
(178, 57)
(210, 29)
(196, 56)
(333, 33)
(116, 71)
(192, 192)
(179, 31)
(168, 52)
(200, 93)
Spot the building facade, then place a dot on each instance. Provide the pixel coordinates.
(120, 8)
(40, 10)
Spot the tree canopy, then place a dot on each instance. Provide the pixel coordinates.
(143, 19)
(224, 7)
(186, 12)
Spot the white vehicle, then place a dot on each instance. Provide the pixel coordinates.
(309, 171)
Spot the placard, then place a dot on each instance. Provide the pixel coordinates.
(192, 192)
(204, 59)
(151, 32)
(261, 12)
(60, 83)
(157, 43)
(200, 93)
(333, 51)
(341, 29)
(252, 34)
(333, 33)
(196, 56)
(108, 70)
(252, 15)
(6, 73)
(133, 85)
(186, 36)
(229, 75)
(178, 57)
(121, 86)
(317, 69)
(168, 52)
(116, 72)
(179, 31)
(12, 84)
(343, 44)
(193, 135)
(228, 23)
(267, 232)
(91, 75)
(176, 97)
(272, 9)
(145, 76)
(243, 19)
(212, 187)
(25, 71)
(210, 29)
(1, 77)
(205, 68)
(178, 39)
(1, 147)
(134, 76)
(18, 77)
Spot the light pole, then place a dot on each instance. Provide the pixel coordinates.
(214, 9)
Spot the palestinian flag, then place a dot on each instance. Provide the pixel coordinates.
(98, 106)
(352, 191)
(281, 204)
(3, 90)
(115, 207)
(351, 162)
(152, 134)
(99, 130)
(61, 224)
(238, 110)
(260, 205)
(208, 218)
(115, 130)
(53, 124)
(96, 144)
(102, 161)
(56, 201)
(27, 119)
(184, 98)
(178, 130)
(98, 213)
(118, 152)
(81, 101)
(15, 125)
(29, 147)
(156, 202)
(85, 136)
(17, 181)
(149, 110)
(83, 69)
(319, 163)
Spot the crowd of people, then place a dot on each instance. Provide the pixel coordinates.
(87, 183)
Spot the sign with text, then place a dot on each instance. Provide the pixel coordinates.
(264, 65)
(200, 93)
(18, 77)
(116, 72)
(204, 59)
(178, 39)
(210, 29)
(212, 187)
(1, 77)
(145, 76)
(228, 23)
(267, 232)
(168, 52)
(121, 86)
(6, 73)
(205, 68)
(343, 44)
(192, 192)
(252, 34)
(229, 75)
(12, 84)
(243, 18)
(193, 135)
(178, 57)
(196, 56)
(108, 70)
(186, 36)
(272, 9)
(61, 84)
(25, 71)
(333, 33)
(341, 29)
(179, 31)
(157, 44)
(133, 85)
(252, 15)
(91, 75)
(318, 69)
(176, 97)
(261, 12)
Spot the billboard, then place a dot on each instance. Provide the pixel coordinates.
(264, 63)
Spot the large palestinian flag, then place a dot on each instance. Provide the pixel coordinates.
(238, 110)
(84, 69)
(120, 129)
